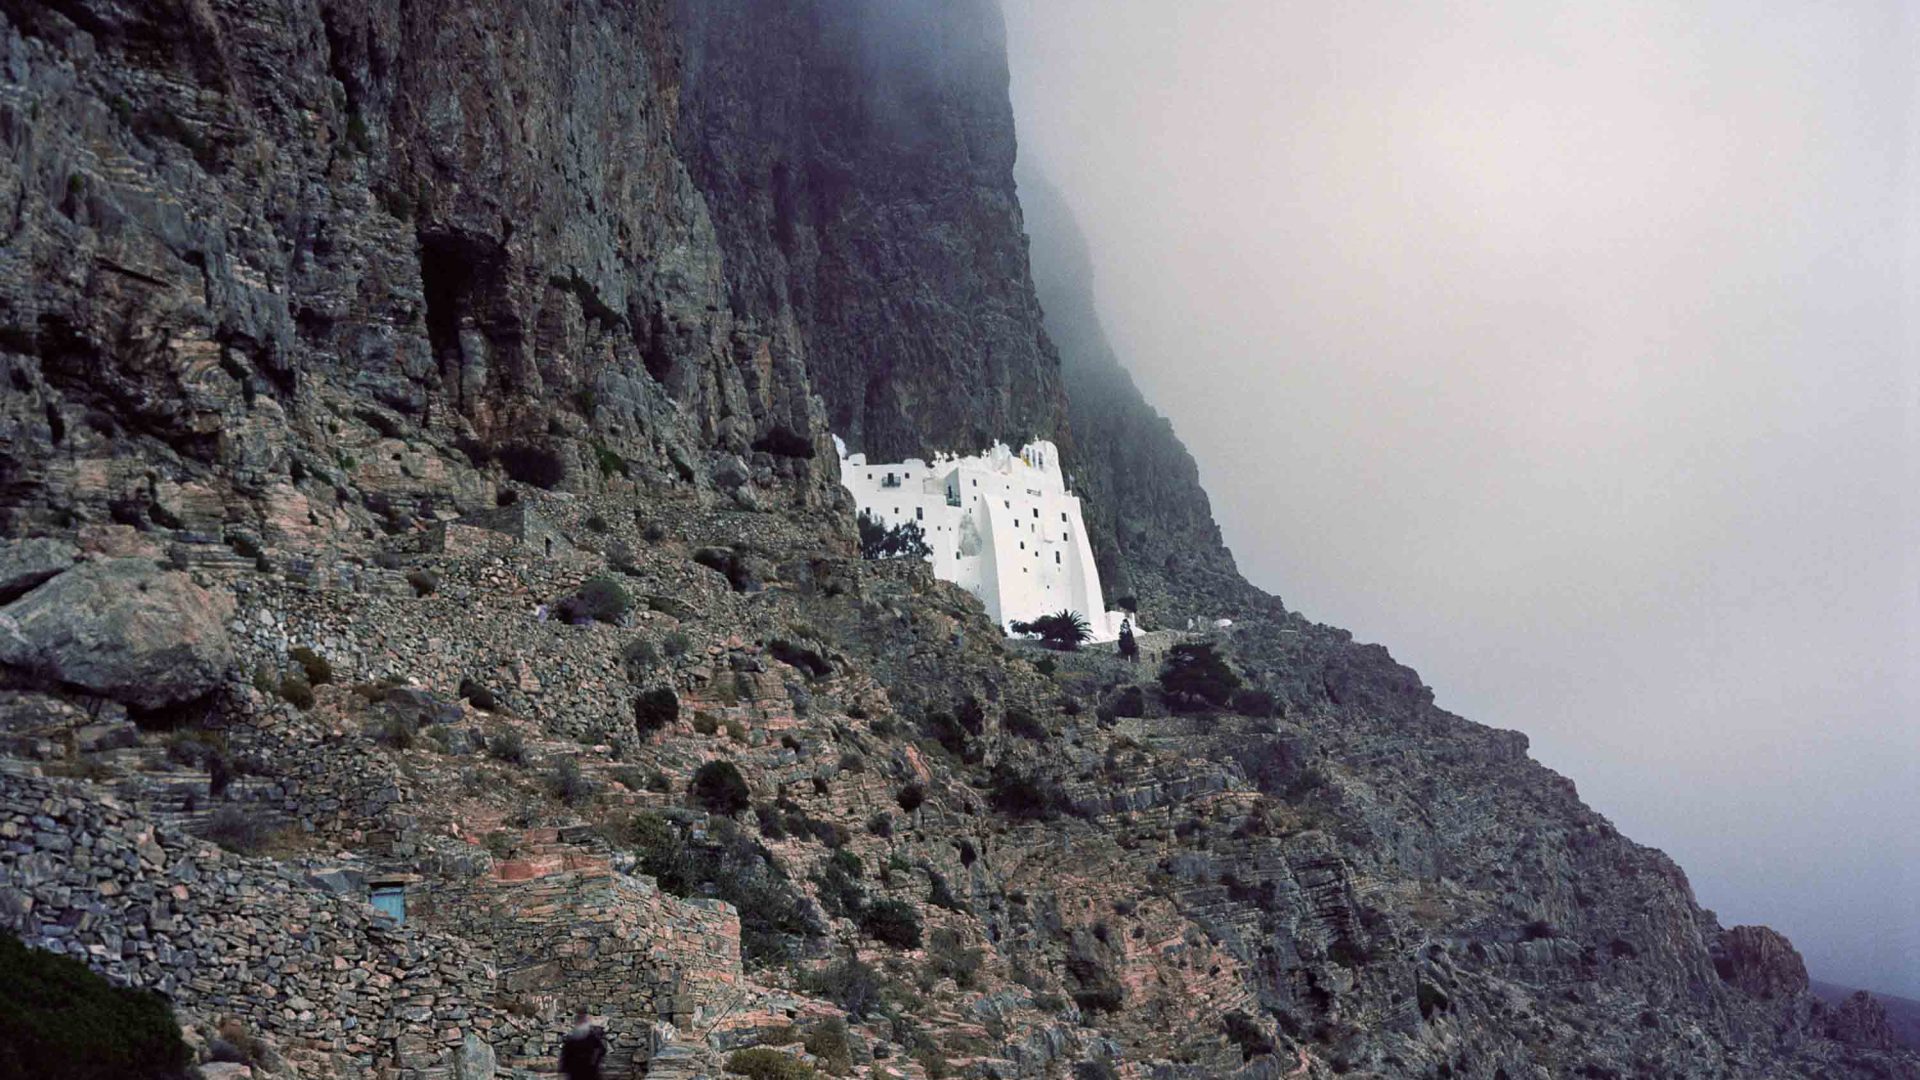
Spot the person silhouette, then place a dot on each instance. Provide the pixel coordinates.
(583, 1049)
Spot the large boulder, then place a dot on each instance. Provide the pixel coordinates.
(1760, 961)
(124, 629)
(1862, 1021)
(28, 564)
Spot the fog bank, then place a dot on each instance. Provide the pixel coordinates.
(1571, 353)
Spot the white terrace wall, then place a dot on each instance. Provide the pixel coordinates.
(1002, 525)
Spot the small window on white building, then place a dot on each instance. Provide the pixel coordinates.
(1008, 503)
(1056, 558)
(1064, 536)
(1023, 545)
(1063, 515)
(920, 513)
(1036, 511)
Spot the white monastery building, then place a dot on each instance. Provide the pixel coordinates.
(1001, 525)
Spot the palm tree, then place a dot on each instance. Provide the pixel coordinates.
(1061, 630)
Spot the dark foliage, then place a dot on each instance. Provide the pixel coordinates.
(655, 709)
(477, 695)
(878, 541)
(1254, 702)
(600, 599)
(718, 788)
(1195, 676)
(735, 868)
(910, 797)
(892, 922)
(566, 783)
(1060, 630)
(59, 1019)
(508, 746)
(1021, 724)
(850, 984)
(316, 667)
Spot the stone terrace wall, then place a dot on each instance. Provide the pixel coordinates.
(319, 974)
(567, 931)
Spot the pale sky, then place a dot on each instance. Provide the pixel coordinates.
(1570, 351)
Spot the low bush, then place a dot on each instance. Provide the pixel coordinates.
(948, 958)
(1254, 702)
(801, 657)
(828, 1042)
(718, 788)
(762, 1063)
(59, 1019)
(316, 667)
(566, 783)
(655, 709)
(676, 644)
(296, 691)
(733, 867)
(508, 745)
(1240, 1029)
(892, 922)
(237, 830)
(424, 582)
(599, 599)
(850, 984)
(1021, 723)
(911, 797)
(1026, 796)
(397, 730)
(640, 656)
(1195, 676)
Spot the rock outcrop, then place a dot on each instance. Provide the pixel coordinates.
(123, 629)
(1760, 962)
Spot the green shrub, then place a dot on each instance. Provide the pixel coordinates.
(1195, 675)
(508, 745)
(840, 894)
(424, 582)
(801, 657)
(1060, 630)
(655, 709)
(850, 984)
(1240, 1029)
(318, 671)
(828, 1042)
(731, 866)
(296, 691)
(736, 731)
(597, 523)
(881, 824)
(600, 599)
(640, 656)
(880, 541)
(911, 797)
(948, 958)
(892, 922)
(676, 644)
(762, 1063)
(397, 730)
(59, 1019)
(1254, 702)
(706, 723)
(1021, 723)
(718, 788)
(566, 783)
(1026, 796)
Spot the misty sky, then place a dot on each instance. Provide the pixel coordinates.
(1570, 351)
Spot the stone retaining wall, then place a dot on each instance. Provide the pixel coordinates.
(331, 983)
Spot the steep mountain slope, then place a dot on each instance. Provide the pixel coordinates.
(412, 481)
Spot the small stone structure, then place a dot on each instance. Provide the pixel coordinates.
(1001, 525)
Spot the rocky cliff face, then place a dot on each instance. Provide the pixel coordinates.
(456, 378)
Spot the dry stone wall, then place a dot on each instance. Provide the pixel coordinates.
(328, 980)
